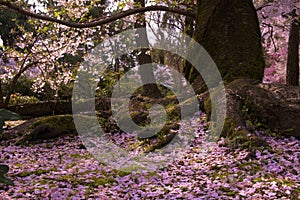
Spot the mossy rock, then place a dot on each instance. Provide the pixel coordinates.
(272, 106)
(229, 127)
(243, 139)
(49, 127)
(63, 122)
(252, 105)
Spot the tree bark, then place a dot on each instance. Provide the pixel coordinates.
(61, 107)
(229, 31)
(189, 29)
(276, 107)
(1, 96)
(146, 73)
(292, 68)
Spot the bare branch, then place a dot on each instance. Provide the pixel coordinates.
(271, 30)
(98, 22)
(263, 6)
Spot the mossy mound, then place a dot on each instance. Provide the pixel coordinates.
(49, 127)
(243, 139)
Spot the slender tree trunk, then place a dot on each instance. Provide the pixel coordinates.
(1, 96)
(229, 31)
(189, 30)
(11, 88)
(292, 68)
(189, 25)
(146, 73)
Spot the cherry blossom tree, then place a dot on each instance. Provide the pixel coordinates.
(48, 53)
(275, 21)
(65, 31)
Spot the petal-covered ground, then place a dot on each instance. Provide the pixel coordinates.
(64, 169)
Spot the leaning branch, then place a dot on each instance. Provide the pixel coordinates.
(263, 6)
(98, 22)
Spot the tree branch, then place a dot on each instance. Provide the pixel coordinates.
(98, 22)
(271, 34)
(263, 6)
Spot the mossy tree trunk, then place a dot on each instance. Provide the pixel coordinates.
(229, 31)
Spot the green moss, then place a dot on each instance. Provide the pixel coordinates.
(251, 120)
(165, 131)
(241, 139)
(133, 167)
(140, 118)
(71, 165)
(53, 169)
(220, 175)
(18, 165)
(37, 172)
(100, 181)
(41, 171)
(228, 191)
(162, 138)
(43, 182)
(250, 167)
(240, 135)
(229, 128)
(93, 182)
(287, 182)
(215, 167)
(62, 122)
(76, 155)
(273, 178)
(122, 173)
(151, 174)
(25, 173)
(184, 189)
(173, 112)
(231, 193)
(207, 106)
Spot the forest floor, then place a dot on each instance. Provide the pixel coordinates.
(64, 169)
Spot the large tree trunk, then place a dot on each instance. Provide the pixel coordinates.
(292, 69)
(229, 31)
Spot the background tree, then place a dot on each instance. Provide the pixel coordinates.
(47, 53)
(292, 68)
(275, 26)
(144, 57)
(71, 44)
